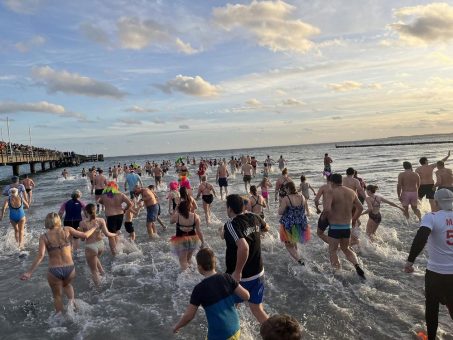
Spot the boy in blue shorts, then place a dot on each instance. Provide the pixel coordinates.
(216, 295)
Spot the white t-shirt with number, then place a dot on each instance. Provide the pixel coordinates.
(440, 241)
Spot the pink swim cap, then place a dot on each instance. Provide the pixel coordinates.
(185, 184)
(173, 185)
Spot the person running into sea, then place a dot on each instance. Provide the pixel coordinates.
(207, 193)
(173, 197)
(242, 234)
(185, 196)
(339, 213)
(327, 167)
(20, 187)
(323, 222)
(264, 185)
(246, 171)
(152, 210)
(436, 230)
(153, 190)
(131, 181)
(129, 216)
(188, 234)
(92, 176)
(29, 185)
(354, 184)
(281, 327)
(305, 188)
(281, 163)
(280, 185)
(94, 245)
(222, 178)
(373, 202)
(407, 190)
(215, 293)
(113, 201)
(444, 177)
(65, 174)
(425, 171)
(57, 242)
(72, 212)
(16, 205)
(100, 182)
(256, 202)
(157, 173)
(294, 226)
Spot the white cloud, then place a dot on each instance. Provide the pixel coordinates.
(73, 83)
(42, 107)
(270, 23)
(194, 86)
(254, 102)
(23, 6)
(129, 121)
(419, 25)
(139, 109)
(345, 86)
(25, 46)
(292, 102)
(184, 127)
(443, 58)
(185, 47)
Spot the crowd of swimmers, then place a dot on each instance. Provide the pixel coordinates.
(341, 199)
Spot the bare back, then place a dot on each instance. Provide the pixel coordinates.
(409, 181)
(426, 173)
(342, 202)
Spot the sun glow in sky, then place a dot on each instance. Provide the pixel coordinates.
(124, 77)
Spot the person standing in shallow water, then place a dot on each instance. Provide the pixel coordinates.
(207, 193)
(57, 242)
(16, 205)
(407, 190)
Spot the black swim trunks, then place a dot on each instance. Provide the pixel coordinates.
(207, 198)
(247, 178)
(98, 192)
(28, 190)
(223, 182)
(114, 222)
(129, 227)
(72, 224)
(426, 190)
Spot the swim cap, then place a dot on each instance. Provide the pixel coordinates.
(173, 185)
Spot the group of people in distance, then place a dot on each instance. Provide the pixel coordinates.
(341, 199)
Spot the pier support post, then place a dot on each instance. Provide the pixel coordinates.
(32, 168)
(43, 166)
(16, 169)
(51, 165)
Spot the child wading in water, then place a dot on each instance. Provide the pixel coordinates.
(265, 185)
(216, 295)
(305, 188)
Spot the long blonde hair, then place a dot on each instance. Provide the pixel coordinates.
(52, 220)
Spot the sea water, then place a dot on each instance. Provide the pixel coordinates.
(143, 293)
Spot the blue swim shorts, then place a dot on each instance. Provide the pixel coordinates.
(256, 290)
(152, 212)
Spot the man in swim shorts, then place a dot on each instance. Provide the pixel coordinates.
(222, 178)
(152, 209)
(131, 181)
(339, 208)
(247, 170)
(29, 186)
(327, 162)
(157, 173)
(425, 171)
(100, 182)
(323, 223)
(444, 177)
(407, 190)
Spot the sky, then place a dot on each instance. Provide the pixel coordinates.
(129, 77)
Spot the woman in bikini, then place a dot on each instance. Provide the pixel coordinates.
(94, 245)
(207, 193)
(373, 202)
(57, 242)
(188, 234)
(256, 202)
(16, 214)
(265, 185)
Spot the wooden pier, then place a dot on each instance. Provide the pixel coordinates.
(48, 159)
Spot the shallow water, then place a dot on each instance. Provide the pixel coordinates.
(144, 293)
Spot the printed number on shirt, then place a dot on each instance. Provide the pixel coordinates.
(450, 237)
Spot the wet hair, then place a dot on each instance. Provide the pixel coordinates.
(206, 259)
(349, 171)
(235, 203)
(184, 193)
(13, 192)
(90, 210)
(302, 178)
(100, 171)
(253, 190)
(279, 327)
(336, 179)
(407, 165)
(423, 160)
(76, 194)
(52, 220)
(326, 154)
(372, 188)
(184, 208)
(440, 164)
(285, 171)
(291, 188)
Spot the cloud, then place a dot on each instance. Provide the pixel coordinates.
(139, 109)
(254, 102)
(270, 23)
(337, 118)
(292, 102)
(345, 86)
(129, 121)
(22, 6)
(73, 83)
(443, 58)
(158, 121)
(184, 127)
(41, 107)
(194, 86)
(25, 46)
(136, 34)
(419, 25)
(95, 34)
